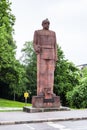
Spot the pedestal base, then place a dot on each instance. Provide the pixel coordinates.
(35, 110)
(42, 102)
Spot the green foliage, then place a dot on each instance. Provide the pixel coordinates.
(66, 77)
(7, 45)
(12, 73)
(7, 58)
(7, 20)
(29, 59)
(84, 72)
(77, 98)
(18, 85)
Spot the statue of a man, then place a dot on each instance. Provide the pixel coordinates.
(46, 49)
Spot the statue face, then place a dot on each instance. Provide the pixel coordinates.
(45, 25)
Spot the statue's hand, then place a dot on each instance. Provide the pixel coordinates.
(37, 49)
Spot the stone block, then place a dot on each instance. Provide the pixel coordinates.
(42, 102)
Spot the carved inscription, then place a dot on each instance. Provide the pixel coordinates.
(50, 100)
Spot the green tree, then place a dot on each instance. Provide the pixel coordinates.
(66, 76)
(18, 85)
(77, 98)
(29, 60)
(12, 73)
(7, 19)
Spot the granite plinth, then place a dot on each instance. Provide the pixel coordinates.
(42, 102)
(34, 110)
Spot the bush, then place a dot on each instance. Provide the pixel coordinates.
(78, 97)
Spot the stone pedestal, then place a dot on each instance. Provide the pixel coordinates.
(45, 46)
(35, 110)
(43, 102)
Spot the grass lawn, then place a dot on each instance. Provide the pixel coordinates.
(10, 103)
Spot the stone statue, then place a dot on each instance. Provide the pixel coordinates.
(45, 46)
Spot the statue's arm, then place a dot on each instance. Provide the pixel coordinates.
(55, 47)
(36, 43)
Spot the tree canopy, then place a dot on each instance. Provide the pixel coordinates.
(77, 98)
(11, 70)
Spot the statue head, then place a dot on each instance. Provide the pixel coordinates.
(45, 24)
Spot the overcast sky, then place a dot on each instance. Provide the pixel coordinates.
(68, 19)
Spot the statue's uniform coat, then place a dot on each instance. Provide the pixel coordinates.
(46, 49)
